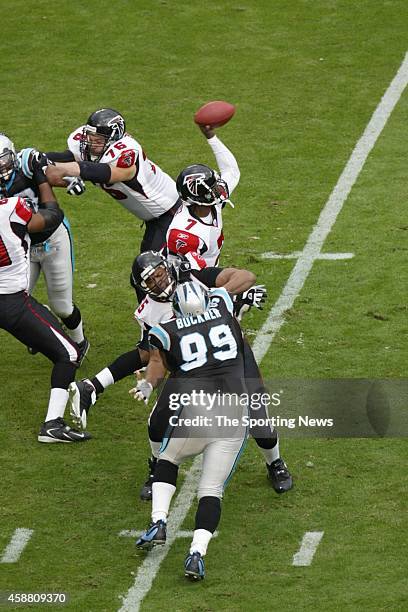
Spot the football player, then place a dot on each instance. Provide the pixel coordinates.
(27, 320)
(196, 230)
(153, 274)
(22, 174)
(203, 350)
(101, 151)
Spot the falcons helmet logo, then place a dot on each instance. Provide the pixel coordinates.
(193, 182)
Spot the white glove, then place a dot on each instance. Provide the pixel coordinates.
(255, 297)
(142, 391)
(75, 185)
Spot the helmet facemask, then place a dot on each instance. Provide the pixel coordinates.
(100, 133)
(8, 162)
(158, 282)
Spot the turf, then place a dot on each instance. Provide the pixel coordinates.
(306, 77)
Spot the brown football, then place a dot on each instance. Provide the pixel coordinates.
(215, 114)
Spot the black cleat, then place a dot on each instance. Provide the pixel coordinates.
(279, 476)
(82, 396)
(83, 350)
(194, 568)
(58, 431)
(154, 536)
(146, 490)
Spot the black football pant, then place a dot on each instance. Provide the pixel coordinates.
(35, 326)
(264, 435)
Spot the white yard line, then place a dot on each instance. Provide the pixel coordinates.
(330, 211)
(308, 547)
(297, 254)
(16, 545)
(135, 533)
(150, 566)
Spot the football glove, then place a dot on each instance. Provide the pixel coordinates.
(255, 297)
(75, 185)
(142, 391)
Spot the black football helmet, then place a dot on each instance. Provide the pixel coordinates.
(152, 274)
(104, 122)
(8, 163)
(198, 184)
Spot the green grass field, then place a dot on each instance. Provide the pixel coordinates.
(306, 77)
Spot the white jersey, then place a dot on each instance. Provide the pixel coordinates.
(203, 238)
(14, 245)
(150, 313)
(150, 193)
(190, 235)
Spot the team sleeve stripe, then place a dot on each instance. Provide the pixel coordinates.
(160, 334)
(25, 166)
(23, 211)
(223, 293)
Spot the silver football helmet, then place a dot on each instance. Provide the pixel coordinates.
(190, 299)
(8, 162)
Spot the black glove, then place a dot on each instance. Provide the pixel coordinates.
(39, 164)
(181, 266)
(255, 297)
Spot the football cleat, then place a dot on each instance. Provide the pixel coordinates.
(279, 476)
(154, 536)
(82, 396)
(83, 350)
(194, 568)
(146, 490)
(58, 431)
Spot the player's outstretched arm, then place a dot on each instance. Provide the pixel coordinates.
(235, 280)
(226, 161)
(89, 171)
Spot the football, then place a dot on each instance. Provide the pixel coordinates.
(215, 114)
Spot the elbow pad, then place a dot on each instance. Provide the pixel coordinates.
(95, 172)
(52, 214)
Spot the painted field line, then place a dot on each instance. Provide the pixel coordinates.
(148, 569)
(308, 547)
(331, 210)
(135, 533)
(18, 542)
(297, 254)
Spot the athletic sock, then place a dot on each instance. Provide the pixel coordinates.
(56, 405)
(161, 498)
(102, 380)
(271, 454)
(201, 539)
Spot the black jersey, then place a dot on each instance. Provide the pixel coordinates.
(24, 184)
(207, 346)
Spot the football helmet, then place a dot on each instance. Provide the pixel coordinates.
(8, 162)
(190, 298)
(153, 274)
(198, 184)
(106, 124)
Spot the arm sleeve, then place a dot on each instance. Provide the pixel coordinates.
(207, 276)
(227, 163)
(61, 156)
